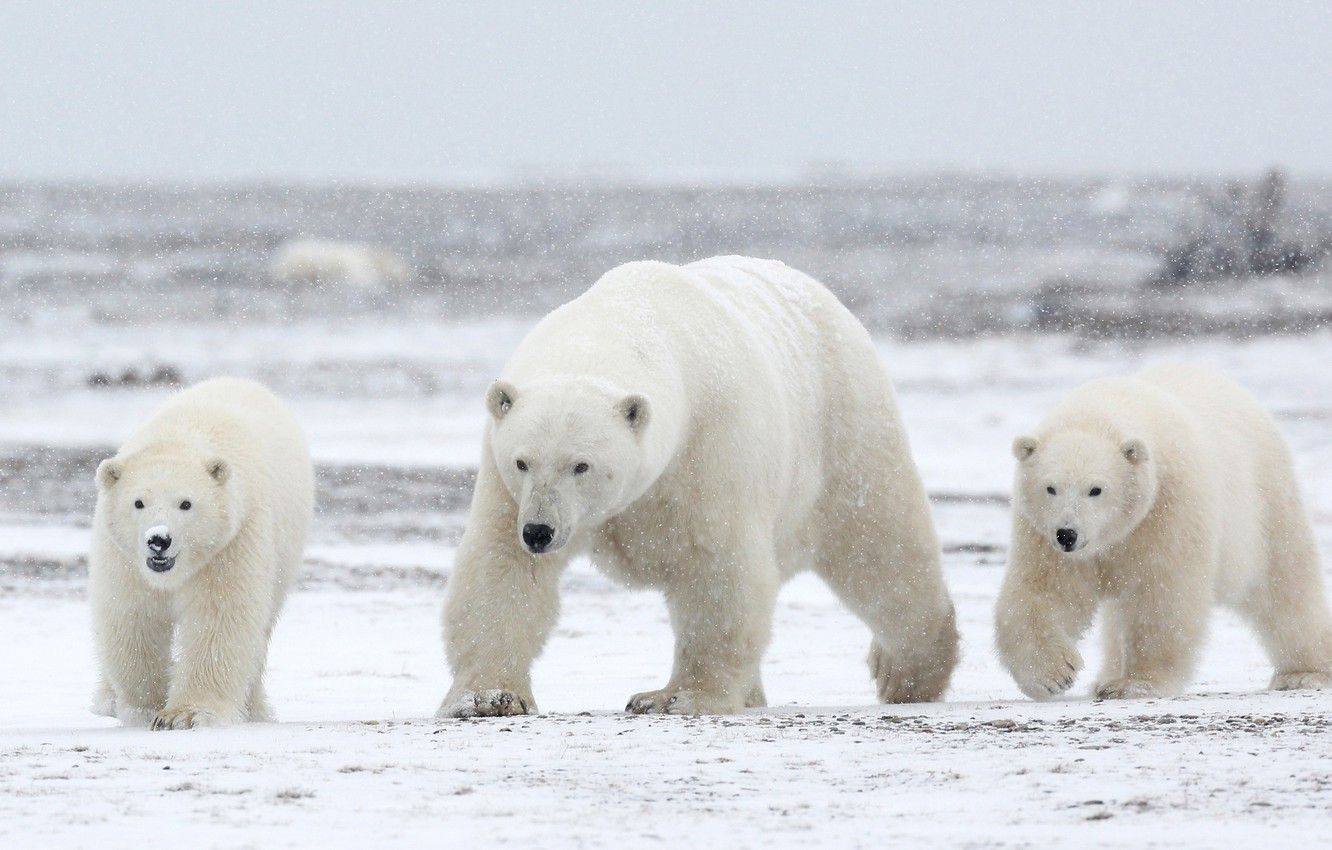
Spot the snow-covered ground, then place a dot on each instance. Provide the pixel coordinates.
(356, 675)
(357, 666)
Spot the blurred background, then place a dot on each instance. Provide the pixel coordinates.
(365, 205)
(946, 169)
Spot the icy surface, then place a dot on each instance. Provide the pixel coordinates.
(355, 677)
(357, 667)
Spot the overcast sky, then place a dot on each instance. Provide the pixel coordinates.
(461, 92)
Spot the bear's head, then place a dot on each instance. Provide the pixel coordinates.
(1081, 491)
(570, 453)
(171, 509)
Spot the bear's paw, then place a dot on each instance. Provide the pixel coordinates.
(1050, 672)
(1300, 680)
(190, 717)
(490, 702)
(1126, 688)
(681, 701)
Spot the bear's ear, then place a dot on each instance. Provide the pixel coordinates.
(1024, 447)
(500, 398)
(635, 410)
(109, 472)
(1135, 451)
(218, 469)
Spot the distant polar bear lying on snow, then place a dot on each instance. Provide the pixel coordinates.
(359, 264)
(708, 430)
(1154, 497)
(200, 524)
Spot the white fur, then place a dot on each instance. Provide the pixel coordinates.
(1199, 506)
(738, 427)
(231, 449)
(311, 261)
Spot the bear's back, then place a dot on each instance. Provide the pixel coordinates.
(224, 410)
(1204, 392)
(1231, 424)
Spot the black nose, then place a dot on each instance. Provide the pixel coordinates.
(1067, 538)
(159, 543)
(537, 536)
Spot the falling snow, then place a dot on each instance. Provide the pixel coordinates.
(990, 299)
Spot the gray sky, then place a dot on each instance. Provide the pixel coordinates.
(460, 92)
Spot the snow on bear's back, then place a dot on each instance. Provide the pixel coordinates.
(765, 288)
(235, 417)
(762, 305)
(781, 309)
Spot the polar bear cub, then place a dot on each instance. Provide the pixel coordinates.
(707, 430)
(200, 524)
(1155, 497)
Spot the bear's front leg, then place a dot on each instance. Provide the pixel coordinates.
(497, 618)
(1044, 608)
(501, 607)
(1164, 622)
(721, 612)
(132, 626)
(223, 633)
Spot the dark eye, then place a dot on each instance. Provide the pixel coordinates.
(1050, 490)
(1095, 491)
(521, 464)
(580, 468)
(186, 505)
(138, 504)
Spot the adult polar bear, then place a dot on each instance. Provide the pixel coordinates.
(1155, 496)
(200, 524)
(708, 430)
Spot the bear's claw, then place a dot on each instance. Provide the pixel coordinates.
(685, 702)
(1126, 688)
(647, 704)
(492, 702)
(185, 717)
(1060, 670)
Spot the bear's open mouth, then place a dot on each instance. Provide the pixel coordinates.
(160, 563)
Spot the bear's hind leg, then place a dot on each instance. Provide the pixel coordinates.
(918, 673)
(1289, 609)
(896, 588)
